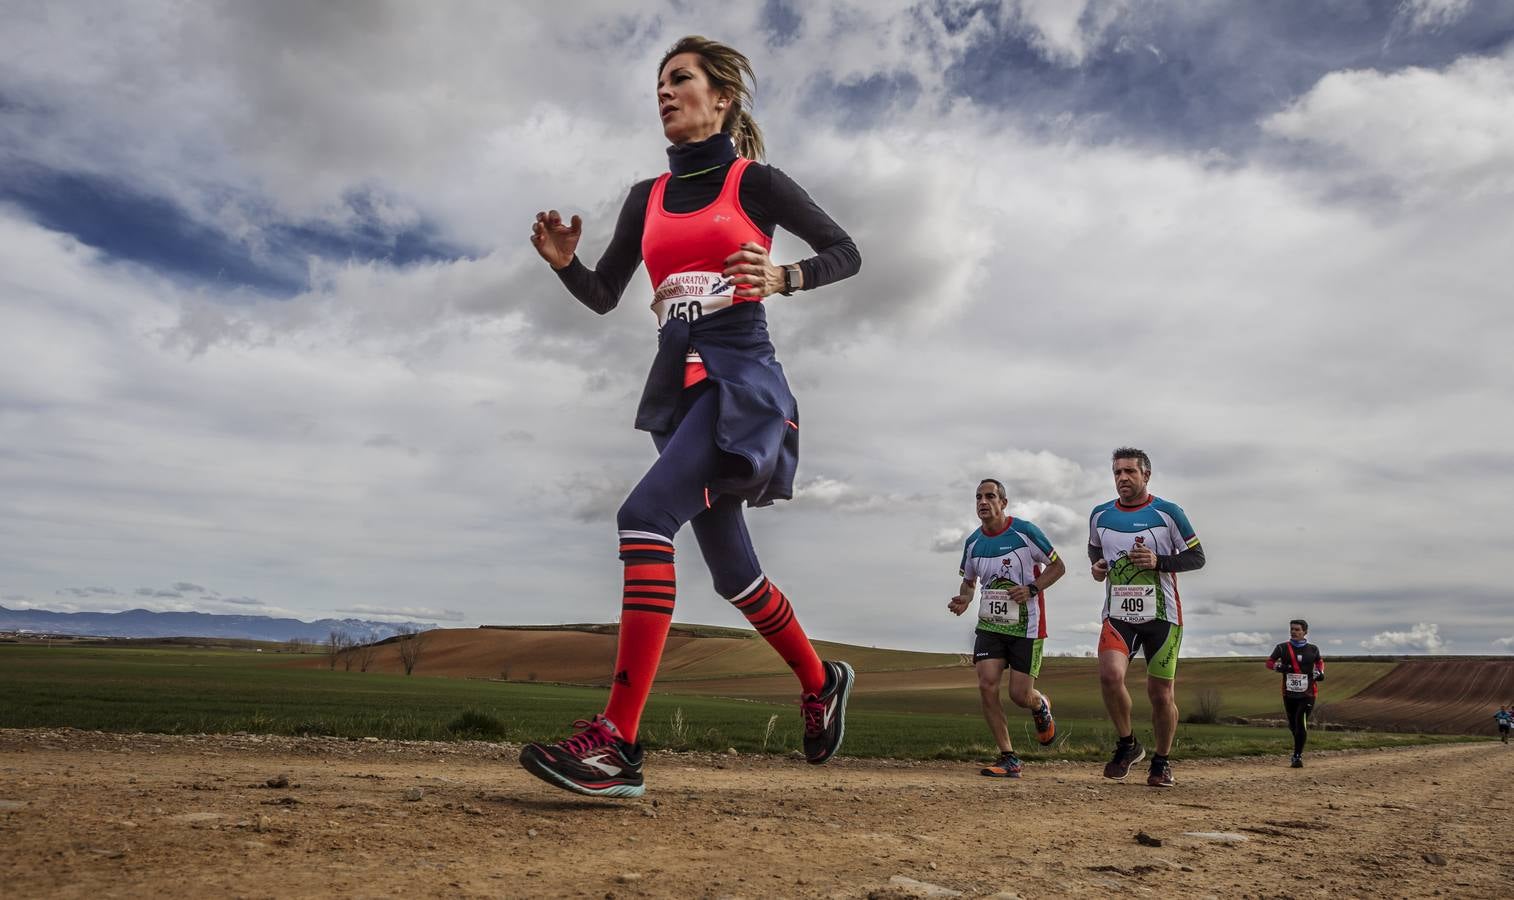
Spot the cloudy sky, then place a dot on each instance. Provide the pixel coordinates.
(272, 338)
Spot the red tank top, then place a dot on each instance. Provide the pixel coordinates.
(685, 254)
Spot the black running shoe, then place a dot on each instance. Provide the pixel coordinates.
(1298, 761)
(825, 713)
(1160, 774)
(595, 761)
(1125, 756)
(1007, 766)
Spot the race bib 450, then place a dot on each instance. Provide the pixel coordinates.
(691, 295)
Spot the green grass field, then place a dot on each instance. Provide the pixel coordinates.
(222, 691)
(1244, 688)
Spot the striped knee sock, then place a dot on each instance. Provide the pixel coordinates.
(646, 613)
(770, 613)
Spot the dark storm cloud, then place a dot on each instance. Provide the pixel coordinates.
(157, 232)
(860, 103)
(1204, 74)
(90, 591)
(781, 21)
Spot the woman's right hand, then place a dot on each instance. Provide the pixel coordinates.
(555, 241)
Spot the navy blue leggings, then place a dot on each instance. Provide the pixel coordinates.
(673, 492)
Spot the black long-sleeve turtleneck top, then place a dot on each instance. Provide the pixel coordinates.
(770, 198)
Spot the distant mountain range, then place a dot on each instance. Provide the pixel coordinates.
(143, 623)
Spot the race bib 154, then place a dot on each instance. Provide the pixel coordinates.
(995, 606)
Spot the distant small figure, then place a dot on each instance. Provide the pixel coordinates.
(1303, 668)
(1505, 719)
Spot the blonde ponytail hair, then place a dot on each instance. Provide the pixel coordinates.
(730, 73)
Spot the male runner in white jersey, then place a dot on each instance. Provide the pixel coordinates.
(1013, 564)
(1137, 544)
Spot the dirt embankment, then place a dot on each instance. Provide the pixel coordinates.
(588, 657)
(88, 815)
(1454, 696)
(579, 657)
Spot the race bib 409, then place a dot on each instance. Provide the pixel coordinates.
(1133, 602)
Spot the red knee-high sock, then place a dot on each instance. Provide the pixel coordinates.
(770, 613)
(646, 613)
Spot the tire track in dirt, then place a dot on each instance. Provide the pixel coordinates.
(87, 814)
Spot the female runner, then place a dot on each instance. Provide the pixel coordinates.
(716, 402)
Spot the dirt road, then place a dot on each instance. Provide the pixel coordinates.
(96, 815)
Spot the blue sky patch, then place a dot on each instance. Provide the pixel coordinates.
(156, 232)
(1180, 76)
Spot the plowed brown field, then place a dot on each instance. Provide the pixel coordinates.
(91, 815)
(583, 657)
(1451, 696)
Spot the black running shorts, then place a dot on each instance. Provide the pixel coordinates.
(1159, 640)
(1021, 653)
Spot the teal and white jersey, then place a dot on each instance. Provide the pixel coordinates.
(1002, 560)
(1132, 594)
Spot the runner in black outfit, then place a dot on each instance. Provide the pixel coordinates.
(1302, 668)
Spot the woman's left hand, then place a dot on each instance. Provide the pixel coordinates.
(754, 274)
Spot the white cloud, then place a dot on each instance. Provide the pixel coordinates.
(1064, 527)
(1429, 133)
(404, 612)
(1035, 474)
(949, 540)
(1197, 643)
(1064, 30)
(1253, 639)
(1505, 643)
(1418, 15)
(838, 494)
(1424, 637)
